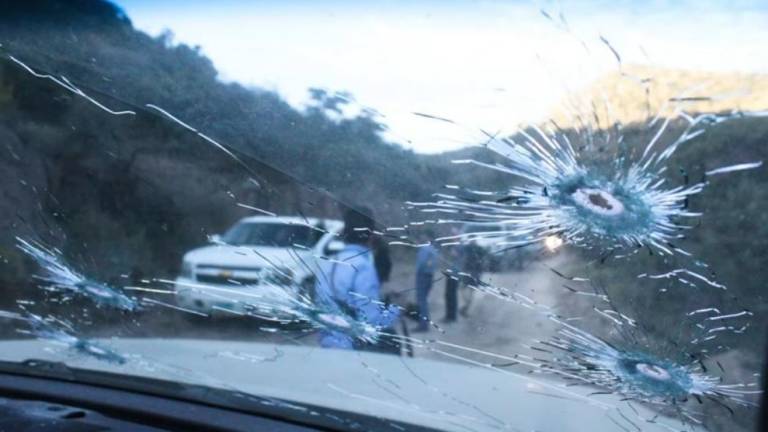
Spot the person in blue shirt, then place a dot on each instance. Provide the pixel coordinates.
(426, 265)
(349, 282)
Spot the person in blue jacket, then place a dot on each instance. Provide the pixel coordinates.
(426, 265)
(350, 282)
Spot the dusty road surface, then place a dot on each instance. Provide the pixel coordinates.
(491, 323)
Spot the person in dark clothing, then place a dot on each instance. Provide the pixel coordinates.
(381, 259)
(452, 284)
(473, 257)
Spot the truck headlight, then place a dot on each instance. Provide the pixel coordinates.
(553, 242)
(187, 270)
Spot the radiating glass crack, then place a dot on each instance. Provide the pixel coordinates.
(58, 276)
(605, 206)
(637, 374)
(58, 332)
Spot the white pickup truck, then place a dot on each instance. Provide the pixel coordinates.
(259, 257)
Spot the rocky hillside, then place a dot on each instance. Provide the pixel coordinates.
(637, 93)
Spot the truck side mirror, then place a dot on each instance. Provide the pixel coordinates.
(334, 246)
(215, 239)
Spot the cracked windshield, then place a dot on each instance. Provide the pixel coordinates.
(391, 215)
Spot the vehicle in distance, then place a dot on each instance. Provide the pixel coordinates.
(259, 258)
(498, 253)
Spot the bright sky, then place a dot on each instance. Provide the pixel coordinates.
(485, 64)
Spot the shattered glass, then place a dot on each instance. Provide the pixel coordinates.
(604, 266)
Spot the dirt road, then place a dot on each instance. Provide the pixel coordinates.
(491, 323)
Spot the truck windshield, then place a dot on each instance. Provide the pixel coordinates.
(270, 234)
